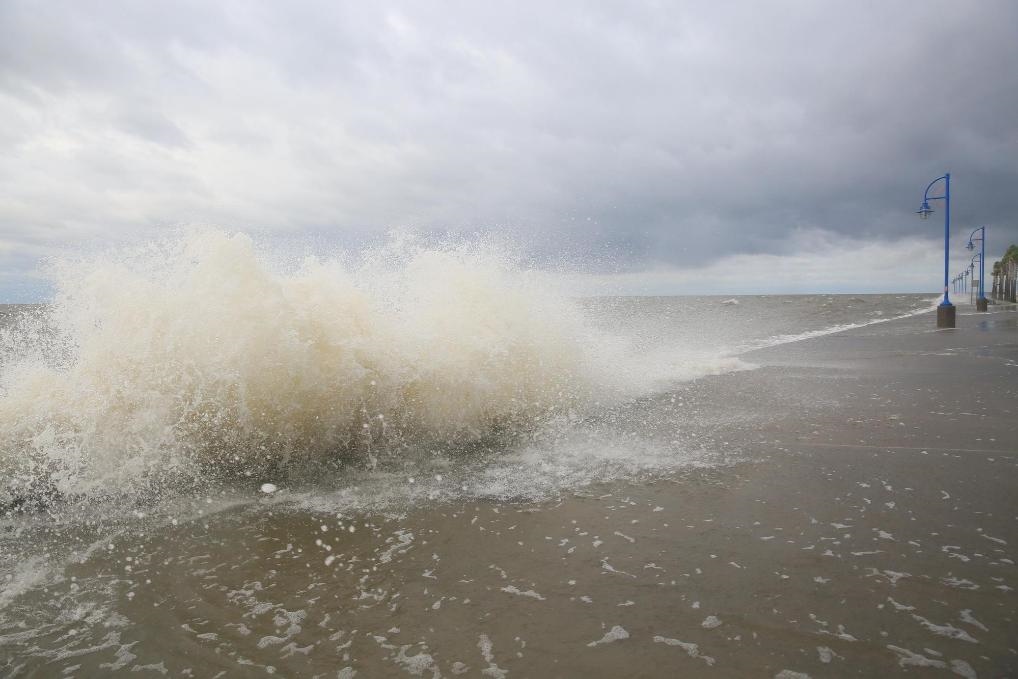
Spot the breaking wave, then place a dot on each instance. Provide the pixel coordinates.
(197, 357)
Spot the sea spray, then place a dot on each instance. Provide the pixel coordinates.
(198, 357)
(206, 358)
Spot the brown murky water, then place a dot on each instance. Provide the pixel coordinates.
(851, 512)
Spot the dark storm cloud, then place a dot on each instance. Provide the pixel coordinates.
(674, 133)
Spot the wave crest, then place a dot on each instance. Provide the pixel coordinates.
(198, 354)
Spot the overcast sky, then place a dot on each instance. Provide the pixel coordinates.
(651, 139)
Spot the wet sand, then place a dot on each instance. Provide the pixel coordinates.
(865, 523)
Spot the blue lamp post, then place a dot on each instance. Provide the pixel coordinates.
(946, 310)
(972, 275)
(981, 301)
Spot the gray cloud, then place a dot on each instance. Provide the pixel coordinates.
(672, 133)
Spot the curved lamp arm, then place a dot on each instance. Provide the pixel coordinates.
(925, 209)
(926, 193)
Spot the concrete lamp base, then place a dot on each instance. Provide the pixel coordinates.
(982, 304)
(945, 316)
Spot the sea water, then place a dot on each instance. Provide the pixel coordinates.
(200, 382)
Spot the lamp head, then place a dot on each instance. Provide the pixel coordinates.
(924, 210)
(970, 246)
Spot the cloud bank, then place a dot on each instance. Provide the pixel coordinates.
(637, 137)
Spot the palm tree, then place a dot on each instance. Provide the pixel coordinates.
(1003, 284)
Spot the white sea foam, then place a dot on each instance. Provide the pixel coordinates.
(908, 658)
(616, 633)
(777, 340)
(26, 575)
(198, 353)
(693, 650)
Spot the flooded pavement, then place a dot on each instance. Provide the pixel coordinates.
(864, 523)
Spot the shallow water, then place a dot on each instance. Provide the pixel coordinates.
(136, 435)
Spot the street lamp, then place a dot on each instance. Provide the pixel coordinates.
(972, 272)
(981, 302)
(946, 310)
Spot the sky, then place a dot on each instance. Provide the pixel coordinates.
(670, 147)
